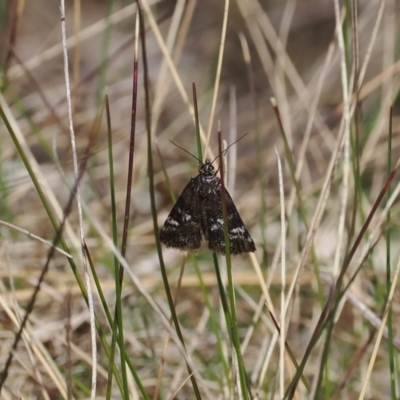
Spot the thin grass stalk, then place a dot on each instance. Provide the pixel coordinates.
(114, 229)
(131, 146)
(105, 47)
(323, 366)
(281, 91)
(232, 161)
(283, 280)
(356, 128)
(68, 339)
(231, 288)
(76, 63)
(79, 203)
(342, 32)
(391, 348)
(153, 201)
(222, 294)
(356, 207)
(197, 122)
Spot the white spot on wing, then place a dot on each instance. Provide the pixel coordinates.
(171, 221)
(187, 217)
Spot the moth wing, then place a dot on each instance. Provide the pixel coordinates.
(182, 228)
(240, 240)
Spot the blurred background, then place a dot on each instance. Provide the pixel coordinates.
(286, 50)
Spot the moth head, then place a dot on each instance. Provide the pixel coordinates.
(207, 168)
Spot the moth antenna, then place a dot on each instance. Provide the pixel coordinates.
(201, 162)
(224, 152)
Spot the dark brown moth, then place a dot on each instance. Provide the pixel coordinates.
(197, 214)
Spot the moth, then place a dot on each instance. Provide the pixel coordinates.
(197, 214)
